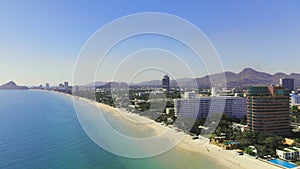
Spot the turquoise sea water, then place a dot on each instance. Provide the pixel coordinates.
(40, 130)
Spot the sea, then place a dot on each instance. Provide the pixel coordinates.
(41, 130)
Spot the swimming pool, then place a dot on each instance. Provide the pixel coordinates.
(283, 163)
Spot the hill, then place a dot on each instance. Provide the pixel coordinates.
(12, 86)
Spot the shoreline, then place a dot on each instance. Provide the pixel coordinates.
(224, 158)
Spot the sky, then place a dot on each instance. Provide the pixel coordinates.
(41, 40)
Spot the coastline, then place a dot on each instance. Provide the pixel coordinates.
(224, 158)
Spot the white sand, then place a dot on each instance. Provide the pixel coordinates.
(225, 158)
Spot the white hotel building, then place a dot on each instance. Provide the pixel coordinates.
(291, 153)
(193, 106)
(295, 99)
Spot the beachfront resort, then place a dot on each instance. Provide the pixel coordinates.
(256, 121)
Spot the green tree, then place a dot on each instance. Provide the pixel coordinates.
(244, 120)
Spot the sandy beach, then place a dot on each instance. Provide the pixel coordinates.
(224, 158)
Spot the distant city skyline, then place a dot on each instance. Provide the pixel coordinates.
(40, 41)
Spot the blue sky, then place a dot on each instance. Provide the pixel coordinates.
(40, 40)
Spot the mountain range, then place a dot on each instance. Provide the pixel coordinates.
(246, 77)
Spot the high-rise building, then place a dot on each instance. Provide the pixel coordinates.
(47, 86)
(287, 83)
(268, 110)
(66, 85)
(61, 86)
(232, 106)
(166, 84)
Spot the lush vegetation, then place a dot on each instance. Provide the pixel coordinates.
(295, 114)
(105, 98)
(265, 144)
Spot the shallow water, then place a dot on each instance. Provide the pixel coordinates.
(40, 130)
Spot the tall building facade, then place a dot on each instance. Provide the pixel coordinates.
(268, 110)
(287, 83)
(66, 85)
(47, 87)
(232, 106)
(166, 84)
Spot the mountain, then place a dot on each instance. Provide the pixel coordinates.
(246, 77)
(243, 79)
(151, 83)
(119, 85)
(12, 86)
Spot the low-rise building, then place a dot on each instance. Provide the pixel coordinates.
(238, 126)
(291, 153)
(295, 99)
(189, 95)
(170, 110)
